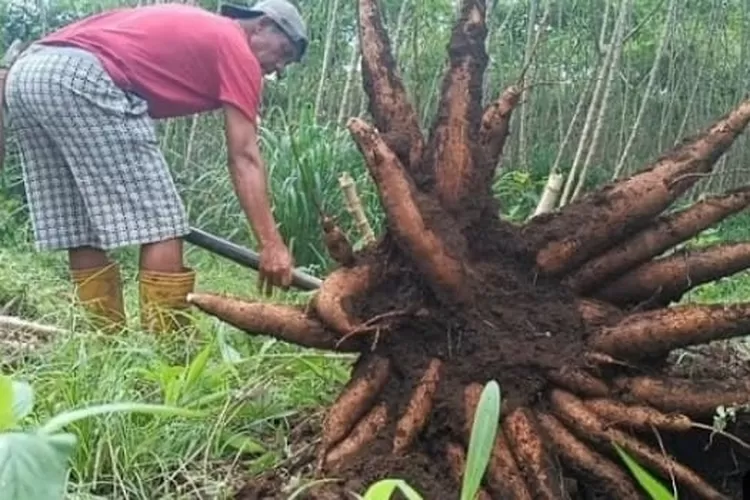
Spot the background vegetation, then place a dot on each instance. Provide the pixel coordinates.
(612, 83)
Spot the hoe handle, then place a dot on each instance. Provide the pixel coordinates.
(244, 257)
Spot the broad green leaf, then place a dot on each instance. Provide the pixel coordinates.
(59, 421)
(23, 400)
(655, 489)
(482, 440)
(382, 490)
(7, 419)
(34, 467)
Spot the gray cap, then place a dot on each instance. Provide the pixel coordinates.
(282, 12)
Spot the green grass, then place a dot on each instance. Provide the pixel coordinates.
(252, 388)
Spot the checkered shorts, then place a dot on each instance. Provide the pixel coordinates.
(93, 171)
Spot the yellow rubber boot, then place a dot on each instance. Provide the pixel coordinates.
(100, 291)
(163, 300)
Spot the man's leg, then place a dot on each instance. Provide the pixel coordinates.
(162, 256)
(57, 209)
(126, 186)
(164, 284)
(98, 286)
(86, 258)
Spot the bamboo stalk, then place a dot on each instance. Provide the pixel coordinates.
(551, 194)
(354, 207)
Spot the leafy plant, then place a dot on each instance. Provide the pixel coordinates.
(34, 463)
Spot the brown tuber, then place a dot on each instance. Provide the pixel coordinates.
(285, 323)
(656, 333)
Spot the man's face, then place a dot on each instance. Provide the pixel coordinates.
(273, 49)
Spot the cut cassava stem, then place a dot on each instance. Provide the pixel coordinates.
(363, 433)
(355, 400)
(609, 215)
(656, 333)
(533, 455)
(450, 147)
(580, 457)
(334, 239)
(336, 242)
(659, 236)
(418, 410)
(392, 112)
(398, 197)
(331, 301)
(550, 195)
(503, 476)
(495, 126)
(283, 322)
(694, 398)
(665, 280)
(354, 207)
(574, 413)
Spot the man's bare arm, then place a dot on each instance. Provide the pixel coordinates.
(249, 179)
(249, 174)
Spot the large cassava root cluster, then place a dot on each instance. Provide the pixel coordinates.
(446, 253)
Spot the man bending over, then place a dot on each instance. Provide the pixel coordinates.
(81, 103)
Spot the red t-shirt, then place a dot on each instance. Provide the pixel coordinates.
(181, 59)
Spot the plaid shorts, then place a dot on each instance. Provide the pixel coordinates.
(92, 168)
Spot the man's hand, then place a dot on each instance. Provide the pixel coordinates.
(275, 268)
(249, 180)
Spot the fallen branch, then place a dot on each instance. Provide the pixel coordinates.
(12, 323)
